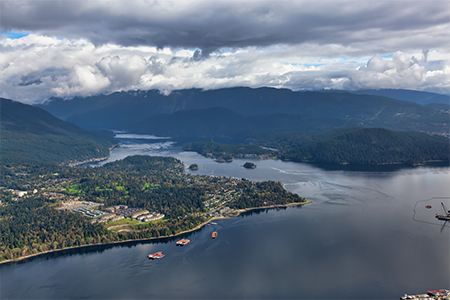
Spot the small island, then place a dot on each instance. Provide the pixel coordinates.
(249, 165)
(193, 167)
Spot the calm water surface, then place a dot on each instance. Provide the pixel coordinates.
(367, 235)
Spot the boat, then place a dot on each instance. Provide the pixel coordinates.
(214, 234)
(183, 242)
(445, 216)
(437, 294)
(156, 255)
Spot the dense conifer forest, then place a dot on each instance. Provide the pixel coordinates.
(32, 135)
(349, 145)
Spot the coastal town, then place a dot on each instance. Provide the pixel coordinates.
(140, 197)
(56, 189)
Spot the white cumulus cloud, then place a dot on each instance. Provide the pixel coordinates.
(35, 68)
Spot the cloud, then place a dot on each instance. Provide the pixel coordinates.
(123, 73)
(365, 26)
(35, 68)
(82, 48)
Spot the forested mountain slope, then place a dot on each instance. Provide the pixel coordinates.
(31, 134)
(370, 146)
(124, 110)
(419, 97)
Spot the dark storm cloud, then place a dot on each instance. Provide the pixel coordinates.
(211, 25)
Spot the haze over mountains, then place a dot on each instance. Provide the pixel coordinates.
(243, 112)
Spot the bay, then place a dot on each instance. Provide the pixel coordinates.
(367, 235)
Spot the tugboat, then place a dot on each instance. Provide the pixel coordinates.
(446, 216)
(183, 242)
(156, 255)
(214, 234)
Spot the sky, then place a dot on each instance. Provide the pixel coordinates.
(51, 48)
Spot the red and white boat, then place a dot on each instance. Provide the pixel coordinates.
(156, 255)
(183, 242)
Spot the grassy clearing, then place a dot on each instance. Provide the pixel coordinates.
(152, 222)
(123, 222)
(73, 189)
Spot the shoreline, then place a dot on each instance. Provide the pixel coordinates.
(97, 159)
(239, 211)
(334, 164)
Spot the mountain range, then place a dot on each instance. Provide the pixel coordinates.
(240, 112)
(419, 97)
(305, 126)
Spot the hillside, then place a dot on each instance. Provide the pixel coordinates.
(125, 110)
(223, 122)
(349, 145)
(370, 146)
(419, 97)
(30, 134)
(206, 123)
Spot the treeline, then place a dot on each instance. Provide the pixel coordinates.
(349, 145)
(265, 193)
(147, 165)
(218, 150)
(34, 225)
(371, 146)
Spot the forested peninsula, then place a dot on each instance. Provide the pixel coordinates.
(48, 207)
(348, 145)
